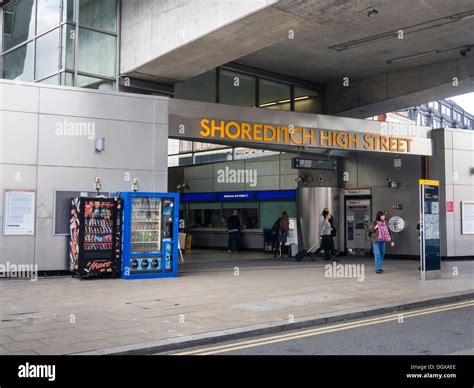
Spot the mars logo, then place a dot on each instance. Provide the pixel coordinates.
(101, 267)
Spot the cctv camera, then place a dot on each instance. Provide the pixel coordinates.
(372, 12)
(320, 178)
(465, 51)
(388, 180)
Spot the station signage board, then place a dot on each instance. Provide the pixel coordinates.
(430, 252)
(216, 123)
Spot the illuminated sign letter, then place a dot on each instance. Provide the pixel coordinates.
(204, 124)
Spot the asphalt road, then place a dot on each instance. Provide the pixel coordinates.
(435, 330)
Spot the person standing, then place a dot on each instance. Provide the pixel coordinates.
(233, 229)
(333, 234)
(379, 235)
(327, 243)
(280, 231)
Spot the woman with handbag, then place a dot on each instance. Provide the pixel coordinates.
(380, 234)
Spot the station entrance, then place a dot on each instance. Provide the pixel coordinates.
(351, 179)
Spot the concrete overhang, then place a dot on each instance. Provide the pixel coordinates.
(154, 48)
(408, 53)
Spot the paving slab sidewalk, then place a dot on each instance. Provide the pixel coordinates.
(215, 299)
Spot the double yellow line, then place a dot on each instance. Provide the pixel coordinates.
(324, 330)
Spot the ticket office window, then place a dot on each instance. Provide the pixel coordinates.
(248, 213)
(205, 215)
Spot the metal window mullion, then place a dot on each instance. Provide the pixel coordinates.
(217, 80)
(1, 41)
(60, 48)
(117, 54)
(35, 13)
(257, 91)
(98, 30)
(47, 76)
(76, 39)
(2, 13)
(292, 98)
(93, 75)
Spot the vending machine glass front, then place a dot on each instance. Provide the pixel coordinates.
(146, 225)
(98, 229)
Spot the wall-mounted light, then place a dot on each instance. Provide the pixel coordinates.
(183, 186)
(98, 184)
(100, 144)
(419, 27)
(397, 163)
(464, 51)
(135, 184)
(304, 179)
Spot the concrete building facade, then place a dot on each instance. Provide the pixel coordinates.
(265, 61)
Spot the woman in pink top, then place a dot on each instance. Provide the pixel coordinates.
(379, 235)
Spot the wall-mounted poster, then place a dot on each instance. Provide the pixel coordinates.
(19, 217)
(467, 217)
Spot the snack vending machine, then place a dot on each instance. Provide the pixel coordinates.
(150, 235)
(95, 246)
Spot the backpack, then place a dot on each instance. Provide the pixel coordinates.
(276, 226)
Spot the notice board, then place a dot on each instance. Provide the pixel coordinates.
(467, 217)
(19, 214)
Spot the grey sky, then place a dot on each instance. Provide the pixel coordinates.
(466, 101)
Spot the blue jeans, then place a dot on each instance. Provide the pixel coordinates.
(232, 243)
(379, 252)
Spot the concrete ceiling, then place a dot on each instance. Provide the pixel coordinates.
(309, 55)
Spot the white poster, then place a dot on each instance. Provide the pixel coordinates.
(467, 217)
(19, 213)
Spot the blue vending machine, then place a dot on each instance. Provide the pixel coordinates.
(150, 235)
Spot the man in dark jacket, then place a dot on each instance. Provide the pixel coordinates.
(233, 226)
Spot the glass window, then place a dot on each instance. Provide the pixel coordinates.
(95, 83)
(249, 153)
(67, 79)
(69, 11)
(271, 210)
(180, 160)
(8, 18)
(307, 100)
(67, 54)
(18, 23)
(173, 146)
(236, 89)
(18, 64)
(198, 146)
(199, 88)
(205, 215)
(248, 213)
(274, 95)
(213, 156)
(185, 146)
(96, 53)
(54, 80)
(48, 15)
(47, 54)
(98, 14)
